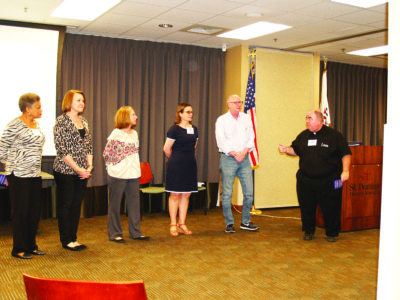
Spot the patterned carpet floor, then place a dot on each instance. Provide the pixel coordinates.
(274, 263)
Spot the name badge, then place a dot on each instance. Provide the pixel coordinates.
(312, 142)
(190, 130)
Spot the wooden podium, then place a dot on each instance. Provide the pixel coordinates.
(361, 200)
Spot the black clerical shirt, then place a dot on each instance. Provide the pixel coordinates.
(321, 152)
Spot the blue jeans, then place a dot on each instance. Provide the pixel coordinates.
(230, 168)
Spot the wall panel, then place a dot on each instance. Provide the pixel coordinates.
(286, 90)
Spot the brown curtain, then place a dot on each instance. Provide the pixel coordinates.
(357, 101)
(153, 78)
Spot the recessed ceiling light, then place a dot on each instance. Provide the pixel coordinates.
(204, 30)
(371, 51)
(253, 30)
(165, 25)
(253, 14)
(86, 10)
(361, 3)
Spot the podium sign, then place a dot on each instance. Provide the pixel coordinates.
(361, 200)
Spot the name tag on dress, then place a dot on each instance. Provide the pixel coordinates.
(190, 130)
(312, 142)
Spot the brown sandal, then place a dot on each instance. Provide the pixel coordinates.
(173, 230)
(184, 229)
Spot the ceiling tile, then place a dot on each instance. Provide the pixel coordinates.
(186, 16)
(139, 9)
(178, 36)
(313, 21)
(207, 6)
(142, 34)
(169, 3)
(328, 10)
(106, 29)
(120, 19)
(363, 17)
(286, 5)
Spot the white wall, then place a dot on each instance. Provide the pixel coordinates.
(389, 249)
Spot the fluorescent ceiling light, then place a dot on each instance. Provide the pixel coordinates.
(87, 10)
(371, 51)
(253, 30)
(361, 3)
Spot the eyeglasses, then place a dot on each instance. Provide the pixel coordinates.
(188, 112)
(237, 102)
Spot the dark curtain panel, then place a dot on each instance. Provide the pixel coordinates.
(153, 78)
(357, 101)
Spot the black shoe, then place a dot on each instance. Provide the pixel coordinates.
(230, 229)
(75, 248)
(37, 252)
(332, 239)
(81, 247)
(22, 255)
(118, 240)
(249, 226)
(308, 236)
(142, 238)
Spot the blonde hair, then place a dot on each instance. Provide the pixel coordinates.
(67, 101)
(123, 117)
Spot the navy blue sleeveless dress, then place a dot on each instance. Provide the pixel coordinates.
(181, 175)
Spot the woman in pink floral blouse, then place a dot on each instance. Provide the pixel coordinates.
(121, 156)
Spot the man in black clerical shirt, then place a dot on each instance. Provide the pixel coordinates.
(323, 167)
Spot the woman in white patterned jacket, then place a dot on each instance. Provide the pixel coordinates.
(121, 156)
(21, 148)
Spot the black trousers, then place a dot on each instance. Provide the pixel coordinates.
(70, 192)
(25, 196)
(310, 193)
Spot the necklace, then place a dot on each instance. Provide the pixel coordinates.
(31, 123)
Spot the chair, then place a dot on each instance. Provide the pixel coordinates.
(38, 288)
(146, 178)
(205, 196)
(202, 189)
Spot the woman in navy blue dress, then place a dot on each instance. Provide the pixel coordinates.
(181, 177)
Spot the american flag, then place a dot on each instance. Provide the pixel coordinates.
(250, 109)
(324, 107)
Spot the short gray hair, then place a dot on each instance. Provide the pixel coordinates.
(27, 100)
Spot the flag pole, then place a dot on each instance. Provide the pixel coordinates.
(248, 106)
(324, 106)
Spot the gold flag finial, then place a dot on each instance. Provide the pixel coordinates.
(252, 53)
